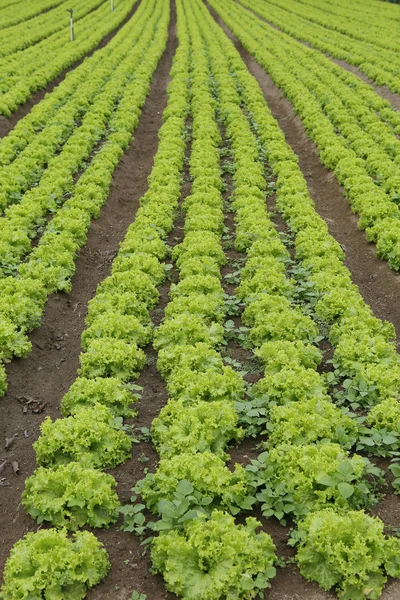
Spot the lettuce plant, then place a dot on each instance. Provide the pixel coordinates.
(110, 392)
(121, 327)
(215, 559)
(48, 564)
(310, 421)
(348, 552)
(185, 329)
(110, 357)
(89, 437)
(201, 427)
(309, 478)
(290, 385)
(208, 475)
(71, 496)
(209, 384)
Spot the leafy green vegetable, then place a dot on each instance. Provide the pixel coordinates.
(203, 427)
(48, 564)
(215, 383)
(290, 385)
(90, 437)
(348, 551)
(206, 472)
(71, 496)
(110, 392)
(110, 357)
(309, 421)
(121, 327)
(214, 559)
(185, 329)
(309, 478)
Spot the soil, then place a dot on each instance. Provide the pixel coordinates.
(48, 372)
(8, 123)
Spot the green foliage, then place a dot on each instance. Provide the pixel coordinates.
(187, 329)
(214, 559)
(48, 564)
(117, 326)
(89, 437)
(202, 427)
(395, 468)
(310, 421)
(290, 385)
(110, 392)
(213, 384)
(71, 496)
(199, 356)
(385, 415)
(346, 551)
(281, 354)
(295, 480)
(206, 472)
(208, 307)
(110, 357)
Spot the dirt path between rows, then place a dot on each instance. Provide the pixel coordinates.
(51, 367)
(8, 123)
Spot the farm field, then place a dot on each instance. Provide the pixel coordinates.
(199, 315)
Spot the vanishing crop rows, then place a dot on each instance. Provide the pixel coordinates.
(239, 285)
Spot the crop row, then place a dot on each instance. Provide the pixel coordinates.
(50, 265)
(379, 64)
(31, 69)
(26, 34)
(372, 191)
(15, 12)
(361, 341)
(192, 490)
(187, 435)
(381, 34)
(372, 14)
(47, 151)
(69, 489)
(307, 472)
(48, 111)
(96, 105)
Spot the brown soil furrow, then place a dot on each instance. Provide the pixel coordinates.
(51, 367)
(8, 123)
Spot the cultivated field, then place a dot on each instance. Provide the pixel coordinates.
(199, 283)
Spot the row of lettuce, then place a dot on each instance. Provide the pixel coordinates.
(12, 14)
(25, 34)
(351, 141)
(377, 56)
(50, 265)
(26, 71)
(42, 175)
(308, 472)
(200, 550)
(351, 21)
(69, 489)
